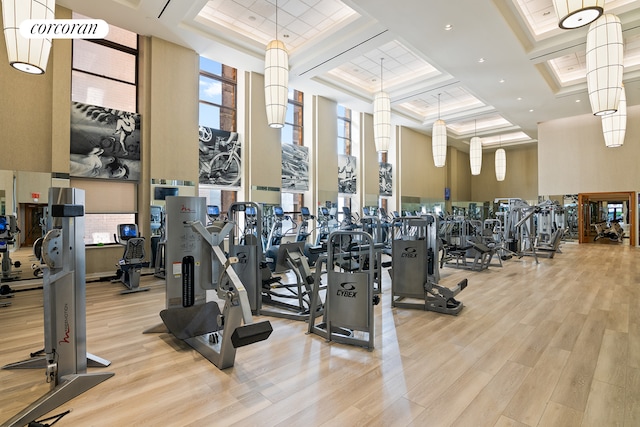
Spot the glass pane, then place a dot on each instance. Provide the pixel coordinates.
(210, 66)
(103, 92)
(103, 61)
(100, 228)
(210, 90)
(341, 146)
(342, 133)
(213, 196)
(116, 34)
(287, 134)
(290, 113)
(341, 111)
(209, 116)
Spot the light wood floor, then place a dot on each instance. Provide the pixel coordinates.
(549, 344)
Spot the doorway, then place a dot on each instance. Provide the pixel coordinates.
(33, 217)
(598, 210)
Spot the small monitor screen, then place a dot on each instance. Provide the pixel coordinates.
(3, 224)
(213, 210)
(128, 231)
(365, 210)
(277, 211)
(250, 210)
(304, 211)
(161, 193)
(324, 211)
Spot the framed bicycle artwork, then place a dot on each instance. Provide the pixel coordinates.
(220, 157)
(105, 143)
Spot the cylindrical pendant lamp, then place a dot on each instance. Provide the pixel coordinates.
(28, 55)
(577, 13)
(475, 155)
(614, 126)
(439, 140)
(382, 121)
(604, 61)
(276, 83)
(501, 164)
(382, 117)
(439, 143)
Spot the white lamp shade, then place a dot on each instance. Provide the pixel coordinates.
(577, 13)
(28, 55)
(276, 83)
(604, 60)
(439, 143)
(614, 126)
(501, 164)
(475, 155)
(382, 121)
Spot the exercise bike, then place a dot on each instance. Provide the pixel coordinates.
(133, 259)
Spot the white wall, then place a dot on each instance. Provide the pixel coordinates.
(572, 156)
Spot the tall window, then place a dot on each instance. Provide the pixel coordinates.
(217, 110)
(292, 133)
(344, 146)
(105, 74)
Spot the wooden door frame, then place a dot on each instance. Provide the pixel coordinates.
(584, 198)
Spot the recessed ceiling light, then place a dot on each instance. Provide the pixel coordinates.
(448, 27)
(481, 60)
(531, 110)
(519, 98)
(501, 80)
(577, 100)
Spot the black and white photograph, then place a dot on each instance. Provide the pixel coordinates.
(347, 174)
(219, 157)
(105, 143)
(295, 168)
(385, 179)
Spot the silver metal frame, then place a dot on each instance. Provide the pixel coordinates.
(64, 309)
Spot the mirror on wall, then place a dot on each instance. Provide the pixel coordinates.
(23, 199)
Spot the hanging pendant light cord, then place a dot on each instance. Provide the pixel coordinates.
(438, 106)
(381, 88)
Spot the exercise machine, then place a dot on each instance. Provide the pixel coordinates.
(414, 268)
(612, 231)
(199, 264)
(348, 315)
(133, 259)
(464, 244)
(275, 237)
(158, 240)
(8, 230)
(327, 223)
(289, 300)
(245, 243)
(66, 358)
(213, 214)
(303, 231)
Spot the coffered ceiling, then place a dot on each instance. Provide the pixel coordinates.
(495, 68)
